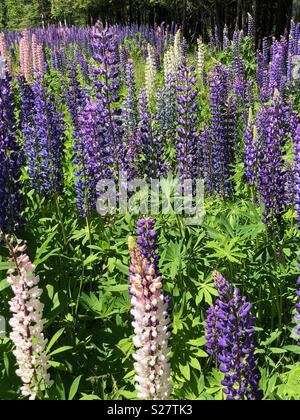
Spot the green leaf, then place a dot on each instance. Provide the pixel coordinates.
(5, 266)
(89, 397)
(4, 285)
(74, 387)
(186, 371)
(54, 339)
(277, 350)
(293, 349)
(90, 259)
(60, 350)
(118, 288)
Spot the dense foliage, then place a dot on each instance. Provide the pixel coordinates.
(79, 105)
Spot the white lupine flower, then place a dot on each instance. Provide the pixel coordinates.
(150, 74)
(151, 328)
(200, 57)
(27, 324)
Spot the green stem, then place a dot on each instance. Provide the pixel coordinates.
(59, 215)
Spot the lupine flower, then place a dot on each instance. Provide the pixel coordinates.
(129, 114)
(250, 151)
(177, 50)
(250, 26)
(150, 74)
(93, 155)
(4, 52)
(271, 163)
(11, 158)
(231, 343)
(151, 316)
(46, 147)
(37, 55)
(200, 58)
(218, 99)
(297, 315)
(26, 63)
(187, 108)
(107, 94)
(75, 97)
(27, 324)
(170, 113)
(226, 41)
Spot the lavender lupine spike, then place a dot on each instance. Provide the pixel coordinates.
(27, 324)
(297, 315)
(226, 41)
(151, 316)
(250, 151)
(297, 207)
(47, 147)
(218, 98)
(170, 107)
(129, 113)
(230, 341)
(187, 108)
(11, 158)
(271, 164)
(94, 160)
(107, 93)
(75, 96)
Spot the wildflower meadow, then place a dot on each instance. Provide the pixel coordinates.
(149, 213)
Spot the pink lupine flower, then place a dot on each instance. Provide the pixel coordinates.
(37, 55)
(26, 64)
(4, 53)
(151, 321)
(27, 323)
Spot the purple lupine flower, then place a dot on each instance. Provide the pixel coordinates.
(277, 68)
(47, 145)
(187, 108)
(74, 96)
(230, 341)
(235, 44)
(150, 146)
(11, 158)
(133, 164)
(226, 41)
(250, 151)
(129, 113)
(297, 315)
(84, 66)
(297, 173)
(271, 165)
(93, 156)
(27, 127)
(107, 94)
(218, 98)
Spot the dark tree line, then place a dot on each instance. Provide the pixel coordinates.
(195, 16)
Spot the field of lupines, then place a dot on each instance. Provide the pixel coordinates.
(211, 310)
